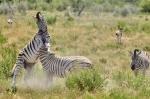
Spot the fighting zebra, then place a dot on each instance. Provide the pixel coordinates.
(119, 33)
(54, 65)
(28, 56)
(140, 61)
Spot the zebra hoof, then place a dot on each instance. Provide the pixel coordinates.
(13, 89)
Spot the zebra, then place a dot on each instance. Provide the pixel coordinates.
(140, 61)
(10, 21)
(28, 56)
(119, 33)
(54, 65)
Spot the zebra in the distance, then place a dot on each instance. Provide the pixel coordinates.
(28, 56)
(140, 61)
(119, 34)
(10, 21)
(54, 65)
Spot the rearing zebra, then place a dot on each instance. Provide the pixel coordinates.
(58, 66)
(140, 61)
(28, 56)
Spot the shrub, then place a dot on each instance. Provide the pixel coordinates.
(85, 80)
(32, 6)
(62, 6)
(4, 8)
(22, 7)
(43, 6)
(51, 20)
(126, 10)
(145, 4)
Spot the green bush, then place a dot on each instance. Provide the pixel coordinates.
(4, 8)
(22, 7)
(63, 6)
(51, 20)
(85, 80)
(145, 4)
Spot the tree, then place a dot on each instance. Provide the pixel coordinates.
(145, 4)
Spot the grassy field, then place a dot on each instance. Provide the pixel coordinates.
(88, 35)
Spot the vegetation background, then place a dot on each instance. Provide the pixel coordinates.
(78, 27)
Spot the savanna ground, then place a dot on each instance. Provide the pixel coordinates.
(89, 35)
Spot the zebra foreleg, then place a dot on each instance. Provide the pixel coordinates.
(29, 70)
(144, 71)
(48, 79)
(15, 70)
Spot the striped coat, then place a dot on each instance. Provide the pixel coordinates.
(54, 65)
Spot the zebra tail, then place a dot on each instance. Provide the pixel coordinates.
(12, 72)
(81, 60)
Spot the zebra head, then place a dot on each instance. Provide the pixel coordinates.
(41, 23)
(119, 31)
(46, 40)
(135, 57)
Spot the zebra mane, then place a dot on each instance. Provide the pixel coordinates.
(120, 28)
(135, 52)
(38, 15)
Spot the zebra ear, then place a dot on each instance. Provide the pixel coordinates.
(130, 53)
(38, 15)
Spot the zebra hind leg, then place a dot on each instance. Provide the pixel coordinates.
(29, 70)
(144, 71)
(19, 64)
(48, 79)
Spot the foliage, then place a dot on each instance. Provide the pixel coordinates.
(145, 4)
(22, 7)
(85, 80)
(4, 8)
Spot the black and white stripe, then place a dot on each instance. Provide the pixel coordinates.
(140, 61)
(58, 66)
(29, 54)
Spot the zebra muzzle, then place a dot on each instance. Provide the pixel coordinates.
(133, 67)
(47, 45)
